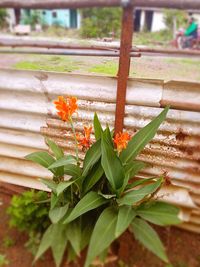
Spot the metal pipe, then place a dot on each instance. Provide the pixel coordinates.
(59, 4)
(124, 66)
(11, 42)
(66, 53)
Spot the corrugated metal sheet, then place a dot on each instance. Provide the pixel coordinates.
(26, 105)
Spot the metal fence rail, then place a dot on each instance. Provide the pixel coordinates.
(179, 4)
(26, 105)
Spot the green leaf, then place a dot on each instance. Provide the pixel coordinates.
(159, 213)
(45, 242)
(63, 186)
(86, 233)
(54, 237)
(125, 217)
(72, 170)
(131, 169)
(57, 213)
(144, 233)
(140, 182)
(59, 243)
(62, 162)
(103, 234)
(108, 136)
(89, 202)
(92, 156)
(57, 151)
(50, 184)
(142, 138)
(74, 236)
(41, 157)
(54, 200)
(112, 165)
(137, 195)
(71, 254)
(97, 127)
(93, 177)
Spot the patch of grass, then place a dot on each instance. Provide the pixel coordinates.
(152, 38)
(184, 61)
(108, 68)
(48, 63)
(3, 260)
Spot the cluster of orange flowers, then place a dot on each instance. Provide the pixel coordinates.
(84, 139)
(67, 106)
(121, 141)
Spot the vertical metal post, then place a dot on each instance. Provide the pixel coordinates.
(124, 65)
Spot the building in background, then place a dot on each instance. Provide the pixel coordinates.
(66, 18)
(152, 19)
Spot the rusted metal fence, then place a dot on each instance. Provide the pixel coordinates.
(123, 102)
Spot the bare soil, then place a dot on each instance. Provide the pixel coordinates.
(183, 248)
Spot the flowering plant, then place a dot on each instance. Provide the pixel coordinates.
(101, 196)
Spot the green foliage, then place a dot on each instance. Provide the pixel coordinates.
(3, 260)
(48, 63)
(109, 68)
(179, 15)
(149, 238)
(102, 197)
(3, 17)
(101, 22)
(27, 215)
(32, 18)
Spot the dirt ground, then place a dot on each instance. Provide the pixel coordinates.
(183, 248)
(152, 67)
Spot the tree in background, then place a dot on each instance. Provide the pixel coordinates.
(3, 18)
(32, 17)
(101, 22)
(175, 19)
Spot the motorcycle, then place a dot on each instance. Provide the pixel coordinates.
(182, 42)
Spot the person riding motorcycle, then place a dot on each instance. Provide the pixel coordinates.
(190, 33)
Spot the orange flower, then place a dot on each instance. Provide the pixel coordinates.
(66, 106)
(84, 140)
(121, 141)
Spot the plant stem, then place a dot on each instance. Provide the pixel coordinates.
(75, 139)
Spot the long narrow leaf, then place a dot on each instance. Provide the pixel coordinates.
(57, 213)
(41, 157)
(93, 177)
(131, 169)
(50, 184)
(62, 162)
(103, 234)
(97, 127)
(112, 165)
(72, 170)
(74, 236)
(59, 243)
(142, 138)
(134, 196)
(91, 157)
(144, 233)
(125, 217)
(159, 213)
(57, 151)
(89, 202)
(45, 243)
(63, 186)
